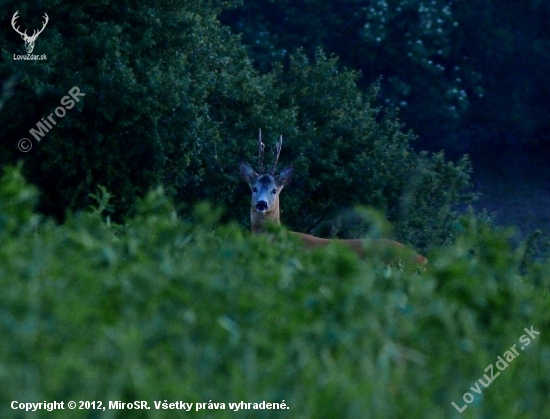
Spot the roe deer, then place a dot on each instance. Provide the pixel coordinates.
(264, 208)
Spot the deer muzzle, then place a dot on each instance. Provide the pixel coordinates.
(261, 206)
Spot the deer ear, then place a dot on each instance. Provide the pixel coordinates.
(285, 176)
(247, 172)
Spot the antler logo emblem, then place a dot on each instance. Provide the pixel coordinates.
(29, 40)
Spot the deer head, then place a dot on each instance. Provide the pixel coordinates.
(29, 40)
(265, 187)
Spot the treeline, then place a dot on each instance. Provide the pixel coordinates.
(173, 99)
(466, 76)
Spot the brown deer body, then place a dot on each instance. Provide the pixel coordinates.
(264, 209)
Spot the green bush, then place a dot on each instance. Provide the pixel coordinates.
(335, 123)
(416, 46)
(173, 100)
(192, 310)
(161, 82)
(467, 76)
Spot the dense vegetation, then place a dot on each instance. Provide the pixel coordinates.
(120, 283)
(179, 104)
(468, 76)
(191, 310)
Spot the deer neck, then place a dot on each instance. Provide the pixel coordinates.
(260, 220)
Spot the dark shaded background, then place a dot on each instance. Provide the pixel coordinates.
(174, 98)
(467, 77)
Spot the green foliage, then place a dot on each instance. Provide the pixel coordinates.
(413, 44)
(335, 124)
(193, 310)
(162, 83)
(467, 75)
(172, 99)
(17, 201)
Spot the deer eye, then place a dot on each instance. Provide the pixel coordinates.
(274, 191)
(254, 189)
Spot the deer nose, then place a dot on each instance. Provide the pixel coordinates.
(261, 206)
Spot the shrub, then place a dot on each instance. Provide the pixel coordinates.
(165, 308)
(347, 152)
(172, 100)
(467, 76)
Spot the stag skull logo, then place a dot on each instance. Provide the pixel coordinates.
(29, 40)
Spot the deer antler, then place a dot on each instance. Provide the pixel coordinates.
(13, 19)
(277, 152)
(43, 27)
(261, 148)
(34, 33)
